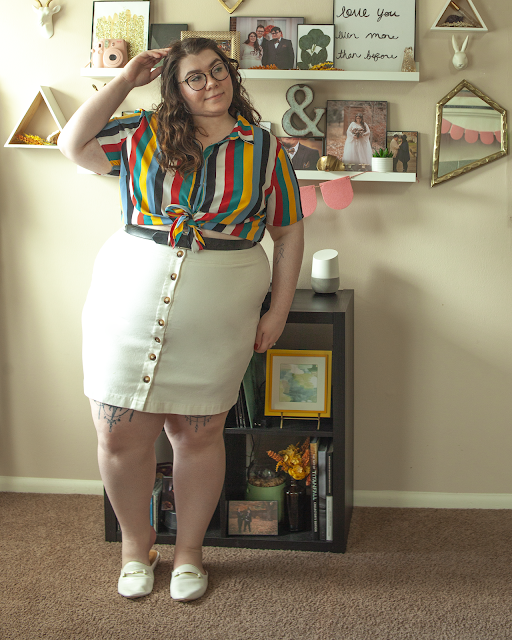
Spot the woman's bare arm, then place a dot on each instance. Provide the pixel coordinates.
(77, 140)
(287, 260)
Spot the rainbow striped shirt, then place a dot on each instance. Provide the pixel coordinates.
(246, 182)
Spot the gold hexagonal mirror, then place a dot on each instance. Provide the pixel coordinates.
(471, 131)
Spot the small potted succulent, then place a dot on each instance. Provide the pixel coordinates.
(382, 160)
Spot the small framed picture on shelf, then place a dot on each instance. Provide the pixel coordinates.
(253, 517)
(298, 383)
(163, 35)
(267, 41)
(123, 20)
(404, 147)
(355, 128)
(315, 44)
(303, 152)
(227, 41)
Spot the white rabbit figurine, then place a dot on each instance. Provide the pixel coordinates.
(460, 59)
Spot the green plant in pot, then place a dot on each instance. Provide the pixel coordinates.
(313, 48)
(382, 160)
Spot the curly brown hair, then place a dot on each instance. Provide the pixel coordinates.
(176, 129)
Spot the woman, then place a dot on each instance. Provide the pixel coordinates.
(251, 52)
(358, 149)
(172, 317)
(403, 153)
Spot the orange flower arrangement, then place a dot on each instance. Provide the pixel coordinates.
(28, 138)
(294, 460)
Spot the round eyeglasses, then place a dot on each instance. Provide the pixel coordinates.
(197, 81)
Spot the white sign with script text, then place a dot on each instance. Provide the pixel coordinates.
(371, 35)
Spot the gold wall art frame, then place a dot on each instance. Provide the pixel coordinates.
(233, 37)
(464, 84)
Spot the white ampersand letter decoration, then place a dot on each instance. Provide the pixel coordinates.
(298, 110)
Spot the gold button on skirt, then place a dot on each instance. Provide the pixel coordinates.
(168, 330)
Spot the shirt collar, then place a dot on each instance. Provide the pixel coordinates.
(242, 130)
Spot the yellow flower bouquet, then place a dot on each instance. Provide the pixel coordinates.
(294, 460)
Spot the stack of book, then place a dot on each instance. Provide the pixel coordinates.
(251, 398)
(321, 455)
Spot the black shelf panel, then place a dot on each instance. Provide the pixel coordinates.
(307, 308)
(298, 431)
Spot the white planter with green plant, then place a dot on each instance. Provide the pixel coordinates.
(382, 161)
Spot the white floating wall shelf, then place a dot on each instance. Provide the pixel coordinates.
(290, 74)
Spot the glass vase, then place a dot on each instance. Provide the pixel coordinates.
(295, 502)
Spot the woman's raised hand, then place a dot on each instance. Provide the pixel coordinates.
(139, 71)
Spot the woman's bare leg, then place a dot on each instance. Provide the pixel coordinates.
(126, 457)
(198, 475)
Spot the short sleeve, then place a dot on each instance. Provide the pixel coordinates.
(283, 205)
(114, 135)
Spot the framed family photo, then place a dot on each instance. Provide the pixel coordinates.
(354, 130)
(253, 517)
(126, 20)
(267, 41)
(227, 41)
(404, 147)
(298, 383)
(303, 152)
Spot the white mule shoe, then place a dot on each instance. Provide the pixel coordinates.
(188, 583)
(136, 579)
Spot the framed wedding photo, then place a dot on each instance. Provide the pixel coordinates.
(267, 41)
(298, 383)
(404, 147)
(354, 130)
(126, 20)
(227, 41)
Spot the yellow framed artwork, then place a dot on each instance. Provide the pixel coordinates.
(227, 41)
(298, 383)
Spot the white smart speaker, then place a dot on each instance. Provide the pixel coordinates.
(325, 277)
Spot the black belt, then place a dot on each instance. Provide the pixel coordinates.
(162, 237)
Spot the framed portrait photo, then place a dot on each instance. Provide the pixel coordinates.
(315, 44)
(227, 41)
(404, 147)
(253, 517)
(303, 152)
(298, 383)
(126, 20)
(267, 41)
(355, 129)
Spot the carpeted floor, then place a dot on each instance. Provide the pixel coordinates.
(415, 574)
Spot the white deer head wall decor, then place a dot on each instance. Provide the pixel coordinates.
(45, 17)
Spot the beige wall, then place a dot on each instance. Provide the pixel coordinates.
(431, 268)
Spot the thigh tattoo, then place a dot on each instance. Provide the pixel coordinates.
(198, 421)
(112, 414)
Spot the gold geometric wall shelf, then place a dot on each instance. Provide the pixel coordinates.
(44, 95)
(464, 9)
